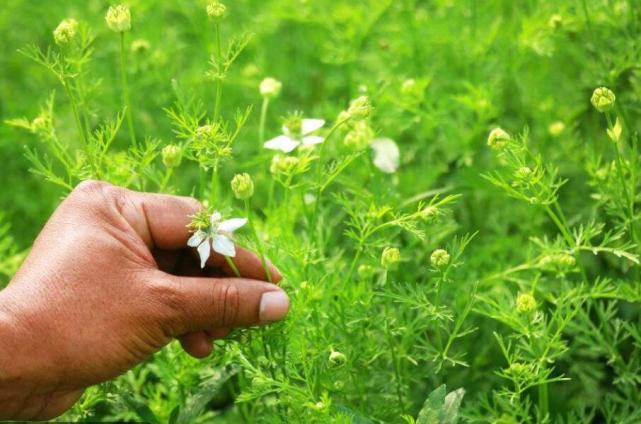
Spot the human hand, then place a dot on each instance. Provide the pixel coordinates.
(108, 283)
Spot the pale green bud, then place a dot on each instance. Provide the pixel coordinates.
(337, 358)
(556, 128)
(270, 87)
(390, 257)
(118, 18)
(359, 137)
(140, 46)
(525, 303)
(439, 258)
(603, 99)
(242, 186)
(365, 271)
(65, 32)
(283, 164)
(498, 139)
(216, 11)
(171, 156)
(360, 108)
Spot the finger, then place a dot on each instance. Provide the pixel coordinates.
(198, 345)
(196, 304)
(218, 333)
(249, 265)
(160, 220)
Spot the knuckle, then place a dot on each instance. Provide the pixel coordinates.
(227, 304)
(90, 187)
(167, 303)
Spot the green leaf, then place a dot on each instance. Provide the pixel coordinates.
(433, 407)
(451, 406)
(142, 410)
(439, 408)
(197, 404)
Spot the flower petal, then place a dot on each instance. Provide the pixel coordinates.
(283, 143)
(204, 250)
(386, 155)
(224, 245)
(312, 139)
(196, 239)
(311, 125)
(231, 225)
(215, 218)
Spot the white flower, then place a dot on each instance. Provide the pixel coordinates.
(217, 236)
(292, 138)
(386, 155)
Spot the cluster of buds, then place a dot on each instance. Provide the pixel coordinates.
(603, 99)
(65, 32)
(390, 257)
(360, 108)
(118, 18)
(440, 258)
(525, 303)
(498, 139)
(270, 88)
(560, 261)
(283, 164)
(216, 11)
(359, 136)
(242, 186)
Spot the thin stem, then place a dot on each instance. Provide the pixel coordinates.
(257, 240)
(125, 90)
(543, 401)
(166, 178)
(213, 186)
(233, 266)
(74, 109)
(392, 348)
(219, 81)
(263, 119)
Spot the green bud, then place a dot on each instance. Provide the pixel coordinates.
(242, 186)
(390, 257)
(498, 139)
(360, 108)
(439, 258)
(118, 18)
(171, 156)
(270, 87)
(603, 99)
(337, 358)
(525, 303)
(216, 11)
(65, 32)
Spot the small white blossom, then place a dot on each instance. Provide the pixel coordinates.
(386, 155)
(217, 236)
(294, 137)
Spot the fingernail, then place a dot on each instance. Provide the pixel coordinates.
(273, 306)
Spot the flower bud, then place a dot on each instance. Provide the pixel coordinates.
(360, 108)
(270, 88)
(439, 258)
(390, 257)
(171, 156)
(365, 271)
(603, 99)
(498, 139)
(118, 18)
(140, 46)
(337, 358)
(65, 32)
(408, 87)
(429, 213)
(242, 186)
(216, 11)
(525, 303)
(556, 128)
(359, 136)
(283, 164)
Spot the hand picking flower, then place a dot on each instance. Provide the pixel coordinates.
(210, 231)
(297, 131)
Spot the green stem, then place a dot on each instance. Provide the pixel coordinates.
(125, 90)
(74, 109)
(166, 178)
(213, 186)
(219, 81)
(395, 363)
(543, 402)
(263, 119)
(257, 240)
(233, 266)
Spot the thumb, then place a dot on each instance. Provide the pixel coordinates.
(197, 304)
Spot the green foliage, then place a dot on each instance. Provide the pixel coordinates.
(530, 308)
